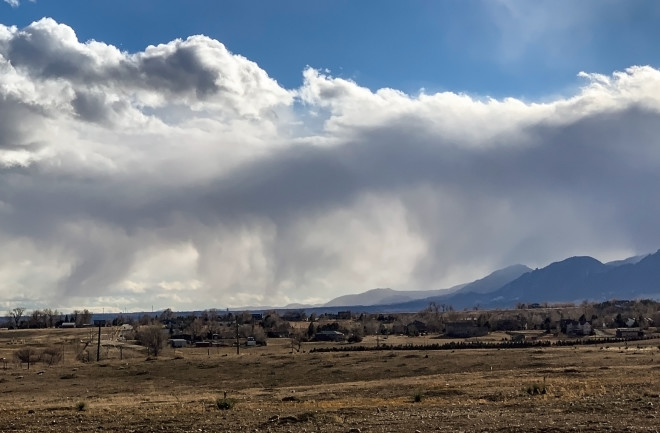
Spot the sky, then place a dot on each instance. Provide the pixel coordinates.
(203, 154)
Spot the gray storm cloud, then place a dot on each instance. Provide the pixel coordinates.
(184, 176)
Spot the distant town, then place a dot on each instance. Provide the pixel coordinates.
(627, 319)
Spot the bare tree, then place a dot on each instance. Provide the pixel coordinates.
(244, 317)
(214, 328)
(297, 337)
(15, 315)
(167, 315)
(37, 319)
(196, 328)
(74, 318)
(152, 337)
(213, 315)
(51, 317)
(28, 355)
(259, 335)
(84, 318)
(370, 325)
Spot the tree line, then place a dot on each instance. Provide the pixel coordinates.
(45, 318)
(477, 344)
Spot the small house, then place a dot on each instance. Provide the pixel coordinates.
(574, 328)
(416, 327)
(465, 329)
(629, 333)
(178, 343)
(329, 336)
(125, 332)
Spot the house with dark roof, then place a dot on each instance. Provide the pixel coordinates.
(329, 336)
(465, 329)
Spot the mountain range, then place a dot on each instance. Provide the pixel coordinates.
(574, 279)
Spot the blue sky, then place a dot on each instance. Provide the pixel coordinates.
(486, 48)
(290, 155)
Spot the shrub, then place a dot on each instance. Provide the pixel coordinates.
(27, 355)
(153, 338)
(83, 356)
(290, 398)
(536, 389)
(80, 406)
(225, 403)
(353, 338)
(418, 397)
(51, 355)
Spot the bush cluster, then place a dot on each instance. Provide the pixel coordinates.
(30, 355)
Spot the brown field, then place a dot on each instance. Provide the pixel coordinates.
(588, 388)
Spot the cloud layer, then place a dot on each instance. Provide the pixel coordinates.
(183, 176)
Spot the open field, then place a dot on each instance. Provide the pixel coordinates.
(587, 388)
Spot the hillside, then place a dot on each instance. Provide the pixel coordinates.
(573, 280)
(387, 296)
(570, 280)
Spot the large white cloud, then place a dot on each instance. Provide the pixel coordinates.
(183, 176)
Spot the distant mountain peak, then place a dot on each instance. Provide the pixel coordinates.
(496, 279)
(379, 296)
(387, 296)
(629, 261)
(573, 279)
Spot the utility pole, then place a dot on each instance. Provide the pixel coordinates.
(237, 342)
(98, 345)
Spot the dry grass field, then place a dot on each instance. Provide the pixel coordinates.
(560, 389)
